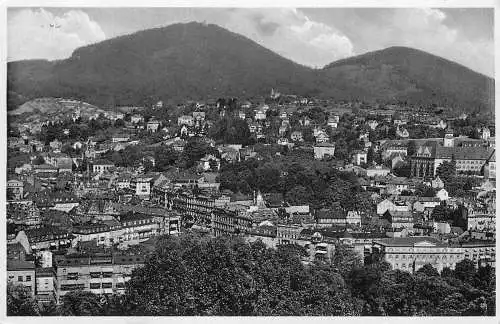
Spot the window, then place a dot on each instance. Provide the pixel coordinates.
(28, 278)
(72, 276)
(20, 278)
(94, 285)
(107, 274)
(95, 275)
(107, 285)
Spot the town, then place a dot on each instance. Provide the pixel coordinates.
(91, 191)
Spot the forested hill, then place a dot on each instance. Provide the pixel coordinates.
(197, 61)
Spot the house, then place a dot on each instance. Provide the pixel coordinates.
(322, 137)
(55, 145)
(153, 125)
(399, 219)
(119, 138)
(199, 116)
(437, 183)
(46, 284)
(297, 136)
(359, 157)
(21, 273)
(387, 204)
(101, 166)
(333, 121)
(353, 218)
(324, 149)
(260, 114)
(377, 171)
(44, 238)
(136, 119)
(208, 161)
(142, 186)
(15, 190)
(485, 133)
(442, 195)
(185, 120)
(372, 124)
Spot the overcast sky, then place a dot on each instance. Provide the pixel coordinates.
(312, 37)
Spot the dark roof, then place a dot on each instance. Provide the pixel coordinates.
(409, 241)
(458, 153)
(103, 162)
(13, 265)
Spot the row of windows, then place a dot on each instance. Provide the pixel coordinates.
(72, 287)
(422, 256)
(21, 278)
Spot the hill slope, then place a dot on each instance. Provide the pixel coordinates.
(409, 74)
(198, 61)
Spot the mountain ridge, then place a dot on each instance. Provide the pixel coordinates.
(195, 60)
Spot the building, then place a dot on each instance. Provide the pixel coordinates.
(105, 233)
(297, 136)
(15, 190)
(377, 171)
(185, 120)
(399, 219)
(481, 221)
(99, 274)
(138, 227)
(120, 138)
(359, 157)
(429, 156)
(153, 125)
(480, 252)
(46, 284)
(101, 166)
(48, 238)
(136, 119)
(226, 221)
(324, 150)
(412, 253)
(387, 204)
(141, 186)
(442, 194)
(21, 273)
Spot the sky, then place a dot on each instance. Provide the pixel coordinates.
(309, 36)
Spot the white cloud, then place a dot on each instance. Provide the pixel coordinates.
(287, 32)
(426, 29)
(32, 33)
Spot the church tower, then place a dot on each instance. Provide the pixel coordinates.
(448, 138)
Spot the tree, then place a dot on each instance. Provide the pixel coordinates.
(428, 270)
(465, 270)
(345, 259)
(81, 303)
(20, 302)
(446, 171)
(193, 151)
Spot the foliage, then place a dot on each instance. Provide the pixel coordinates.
(20, 301)
(200, 276)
